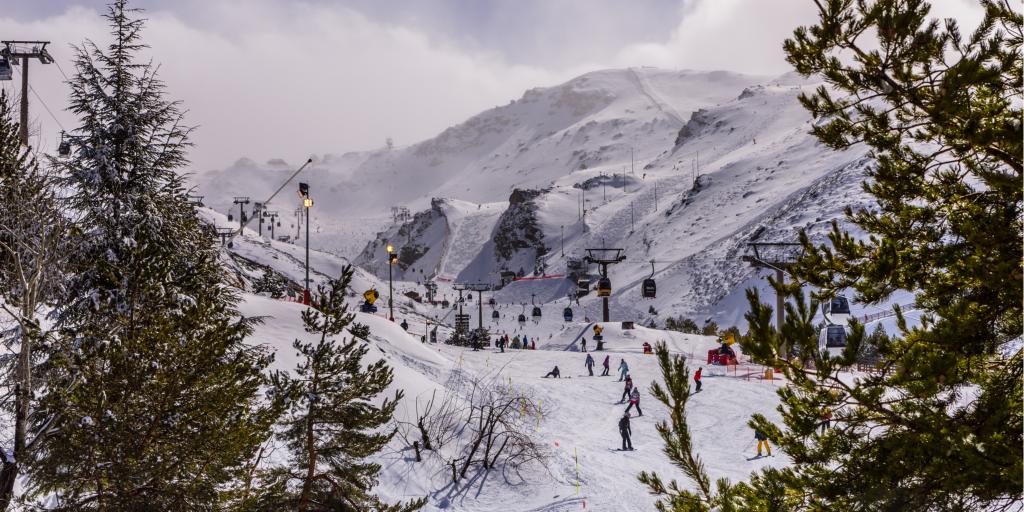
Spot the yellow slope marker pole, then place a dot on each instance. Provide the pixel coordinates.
(576, 457)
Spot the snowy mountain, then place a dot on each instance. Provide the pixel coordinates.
(680, 167)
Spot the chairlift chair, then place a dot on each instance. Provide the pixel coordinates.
(604, 287)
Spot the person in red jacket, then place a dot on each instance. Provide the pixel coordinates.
(696, 378)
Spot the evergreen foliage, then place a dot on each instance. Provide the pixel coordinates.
(681, 324)
(153, 399)
(32, 234)
(938, 425)
(333, 424)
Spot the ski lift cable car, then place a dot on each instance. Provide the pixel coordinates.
(836, 310)
(833, 340)
(567, 314)
(649, 288)
(604, 287)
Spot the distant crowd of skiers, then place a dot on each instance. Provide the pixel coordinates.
(515, 343)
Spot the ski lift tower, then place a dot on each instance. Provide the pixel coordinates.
(479, 288)
(24, 50)
(777, 256)
(604, 257)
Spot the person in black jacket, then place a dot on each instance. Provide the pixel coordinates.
(554, 373)
(625, 432)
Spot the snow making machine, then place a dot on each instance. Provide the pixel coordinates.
(369, 298)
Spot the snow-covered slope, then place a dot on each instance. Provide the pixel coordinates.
(577, 428)
(680, 167)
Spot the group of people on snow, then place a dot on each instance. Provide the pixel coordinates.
(515, 343)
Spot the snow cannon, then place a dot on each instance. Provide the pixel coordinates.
(369, 297)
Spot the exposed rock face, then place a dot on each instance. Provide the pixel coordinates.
(418, 242)
(517, 229)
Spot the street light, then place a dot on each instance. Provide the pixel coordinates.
(392, 258)
(307, 202)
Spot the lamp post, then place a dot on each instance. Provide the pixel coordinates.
(392, 257)
(307, 202)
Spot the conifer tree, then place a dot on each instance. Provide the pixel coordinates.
(32, 231)
(938, 426)
(333, 424)
(153, 399)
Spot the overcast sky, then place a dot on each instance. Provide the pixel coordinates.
(288, 78)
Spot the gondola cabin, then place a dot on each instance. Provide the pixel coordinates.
(522, 319)
(833, 339)
(567, 314)
(837, 310)
(495, 315)
(6, 71)
(535, 313)
(649, 288)
(604, 287)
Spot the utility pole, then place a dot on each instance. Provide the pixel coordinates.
(25, 50)
(603, 257)
(632, 165)
(604, 188)
(257, 210)
(655, 195)
(563, 240)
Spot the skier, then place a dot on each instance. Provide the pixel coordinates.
(554, 373)
(634, 399)
(696, 378)
(623, 369)
(533, 344)
(625, 432)
(590, 364)
(606, 363)
(762, 439)
(625, 392)
(826, 419)
(583, 341)
(501, 344)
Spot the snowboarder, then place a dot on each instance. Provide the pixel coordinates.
(696, 378)
(590, 364)
(826, 419)
(762, 439)
(606, 363)
(625, 432)
(623, 369)
(554, 373)
(583, 341)
(625, 392)
(634, 399)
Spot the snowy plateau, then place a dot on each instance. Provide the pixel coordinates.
(681, 168)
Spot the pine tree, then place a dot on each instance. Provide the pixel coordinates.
(938, 426)
(333, 425)
(153, 399)
(32, 231)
